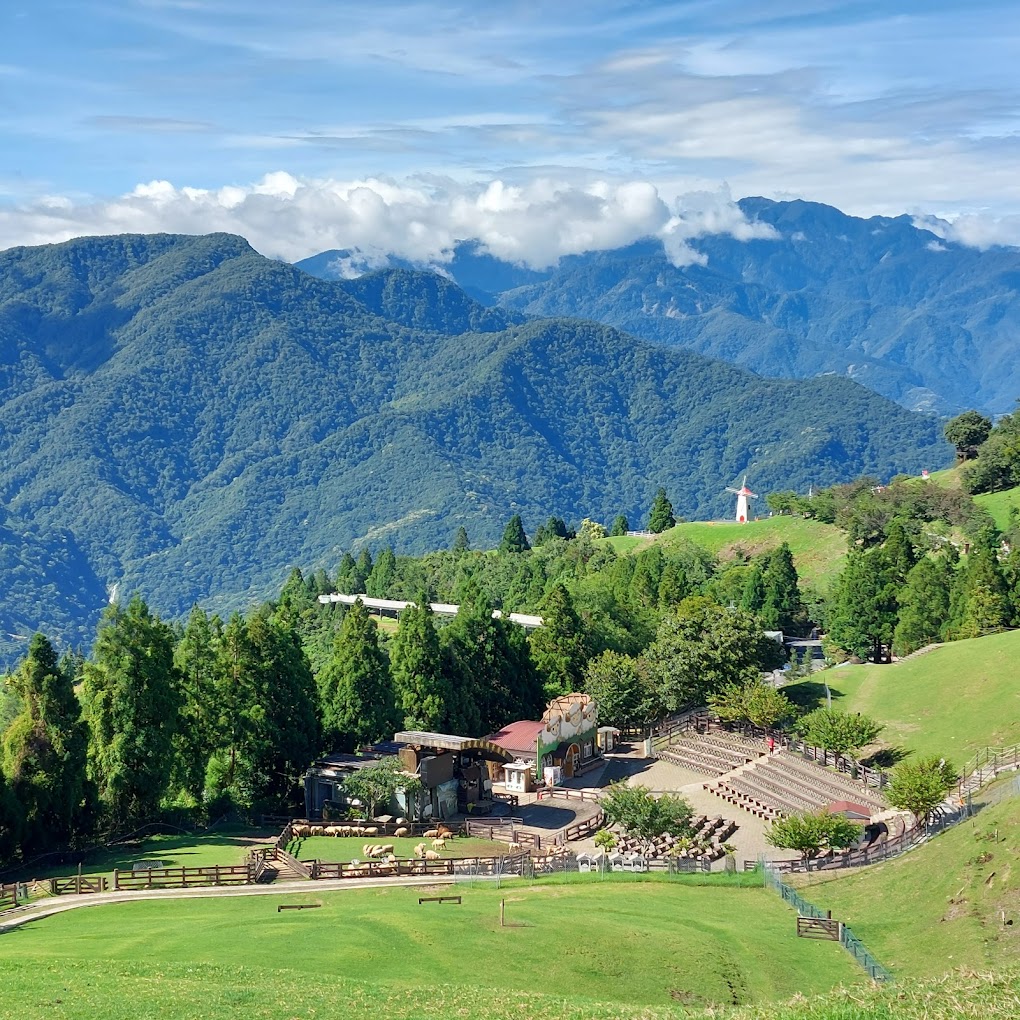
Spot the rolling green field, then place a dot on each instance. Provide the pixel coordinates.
(999, 504)
(183, 851)
(951, 701)
(939, 906)
(632, 944)
(818, 549)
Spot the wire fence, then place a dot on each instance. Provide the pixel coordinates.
(850, 942)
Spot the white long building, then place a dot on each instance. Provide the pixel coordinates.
(395, 607)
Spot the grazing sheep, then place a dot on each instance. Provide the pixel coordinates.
(419, 851)
(439, 843)
(332, 830)
(402, 831)
(315, 830)
(431, 833)
(372, 830)
(515, 848)
(301, 830)
(443, 832)
(387, 848)
(431, 855)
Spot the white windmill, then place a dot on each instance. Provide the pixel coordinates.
(743, 494)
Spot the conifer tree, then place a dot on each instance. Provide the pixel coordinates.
(979, 579)
(416, 663)
(620, 526)
(514, 539)
(346, 575)
(44, 751)
(781, 606)
(559, 648)
(863, 612)
(355, 689)
(899, 551)
(384, 573)
(197, 660)
(362, 570)
(923, 605)
(660, 517)
(461, 544)
(131, 695)
(753, 598)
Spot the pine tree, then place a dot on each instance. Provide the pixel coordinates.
(559, 648)
(362, 570)
(781, 607)
(899, 551)
(131, 694)
(660, 517)
(346, 575)
(923, 606)
(620, 526)
(514, 539)
(384, 573)
(44, 751)
(416, 663)
(461, 544)
(863, 612)
(198, 664)
(355, 689)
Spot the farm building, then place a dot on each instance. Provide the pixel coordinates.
(566, 741)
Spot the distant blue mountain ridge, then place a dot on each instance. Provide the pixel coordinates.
(931, 324)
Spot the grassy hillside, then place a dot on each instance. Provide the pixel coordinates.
(818, 549)
(940, 906)
(952, 701)
(999, 504)
(612, 948)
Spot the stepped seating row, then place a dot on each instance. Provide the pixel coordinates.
(715, 759)
(834, 784)
(733, 740)
(747, 801)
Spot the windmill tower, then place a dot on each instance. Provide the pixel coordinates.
(743, 494)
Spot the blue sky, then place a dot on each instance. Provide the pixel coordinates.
(539, 127)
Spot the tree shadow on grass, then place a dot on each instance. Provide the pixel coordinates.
(810, 694)
(886, 758)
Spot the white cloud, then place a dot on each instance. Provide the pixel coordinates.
(534, 223)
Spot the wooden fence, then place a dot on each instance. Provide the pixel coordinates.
(183, 878)
(566, 793)
(79, 885)
(818, 928)
(497, 865)
(8, 896)
(381, 828)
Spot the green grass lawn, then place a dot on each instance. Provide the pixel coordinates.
(633, 944)
(953, 701)
(183, 851)
(999, 504)
(348, 848)
(939, 906)
(818, 549)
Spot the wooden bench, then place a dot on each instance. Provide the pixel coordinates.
(297, 906)
(438, 899)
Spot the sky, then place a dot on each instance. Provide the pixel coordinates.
(540, 128)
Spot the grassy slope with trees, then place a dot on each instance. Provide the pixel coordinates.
(940, 906)
(954, 700)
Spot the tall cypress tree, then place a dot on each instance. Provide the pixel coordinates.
(514, 539)
(559, 648)
(864, 605)
(355, 689)
(923, 605)
(416, 663)
(131, 693)
(44, 751)
(781, 606)
(384, 573)
(660, 517)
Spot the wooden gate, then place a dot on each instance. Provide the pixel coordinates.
(818, 928)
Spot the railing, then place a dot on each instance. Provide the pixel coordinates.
(79, 885)
(8, 896)
(182, 878)
(585, 828)
(566, 793)
(986, 765)
(414, 868)
(848, 940)
(696, 720)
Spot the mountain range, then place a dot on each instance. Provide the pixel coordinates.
(927, 322)
(185, 418)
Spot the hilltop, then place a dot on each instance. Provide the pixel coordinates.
(923, 320)
(192, 419)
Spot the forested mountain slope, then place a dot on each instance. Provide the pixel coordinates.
(189, 419)
(927, 322)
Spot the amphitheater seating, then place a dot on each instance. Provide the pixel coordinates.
(713, 754)
(775, 785)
